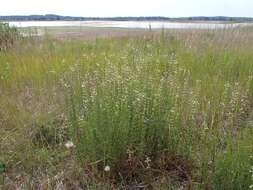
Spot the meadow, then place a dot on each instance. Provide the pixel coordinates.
(162, 110)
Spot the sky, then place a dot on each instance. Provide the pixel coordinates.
(111, 8)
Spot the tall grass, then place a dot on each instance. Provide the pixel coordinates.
(170, 110)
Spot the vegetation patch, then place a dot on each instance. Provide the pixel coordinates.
(8, 36)
(160, 111)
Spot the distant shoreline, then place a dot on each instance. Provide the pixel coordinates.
(157, 24)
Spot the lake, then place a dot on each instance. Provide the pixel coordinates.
(128, 24)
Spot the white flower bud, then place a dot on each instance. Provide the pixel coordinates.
(107, 168)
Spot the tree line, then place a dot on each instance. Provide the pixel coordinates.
(53, 17)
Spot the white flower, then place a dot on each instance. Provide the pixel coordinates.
(147, 161)
(69, 144)
(107, 168)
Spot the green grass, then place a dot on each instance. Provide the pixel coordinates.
(166, 111)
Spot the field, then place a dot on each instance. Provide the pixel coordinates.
(167, 109)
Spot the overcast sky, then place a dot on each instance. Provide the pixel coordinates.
(110, 8)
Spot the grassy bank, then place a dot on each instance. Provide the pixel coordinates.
(167, 111)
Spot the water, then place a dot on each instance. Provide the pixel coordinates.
(127, 24)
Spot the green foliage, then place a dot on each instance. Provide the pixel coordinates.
(2, 168)
(233, 167)
(8, 35)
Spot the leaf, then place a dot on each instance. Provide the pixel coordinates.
(2, 168)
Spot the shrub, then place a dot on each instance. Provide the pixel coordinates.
(8, 35)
